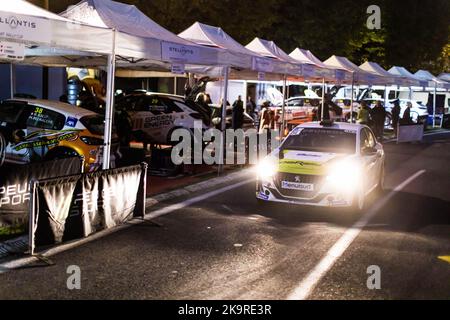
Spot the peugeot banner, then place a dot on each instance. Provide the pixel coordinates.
(95, 201)
(15, 192)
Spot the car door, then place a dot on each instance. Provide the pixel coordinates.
(42, 125)
(370, 157)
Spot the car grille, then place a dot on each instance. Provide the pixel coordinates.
(317, 181)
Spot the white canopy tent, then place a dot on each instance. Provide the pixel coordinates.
(270, 50)
(435, 83)
(360, 76)
(409, 78)
(313, 68)
(45, 34)
(375, 68)
(34, 27)
(141, 42)
(211, 36)
(432, 80)
(444, 77)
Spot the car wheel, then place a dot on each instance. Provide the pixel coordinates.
(2, 149)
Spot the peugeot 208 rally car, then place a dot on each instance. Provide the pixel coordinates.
(330, 165)
(36, 130)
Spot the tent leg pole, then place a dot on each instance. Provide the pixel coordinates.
(283, 109)
(323, 99)
(175, 84)
(224, 119)
(351, 101)
(12, 79)
(434, 105)
(111, 69)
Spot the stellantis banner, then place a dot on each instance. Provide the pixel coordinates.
(24, 28)
(15, 192)
(94, 201)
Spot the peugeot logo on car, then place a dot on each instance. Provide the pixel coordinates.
(297, 178)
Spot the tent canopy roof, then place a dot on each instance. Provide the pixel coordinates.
(426, 75)
(375, 68)
(207, 35)
(444, 76)
(306, 56)
(122, 17)
(343, 63)
(26, 8)
(269, 49)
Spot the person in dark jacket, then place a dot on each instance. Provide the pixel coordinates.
(378, 114)
(396, 115)
(251, 107)
(238, 114)
(406, 119)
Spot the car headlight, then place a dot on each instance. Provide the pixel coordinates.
(345, 175)
(267, 168)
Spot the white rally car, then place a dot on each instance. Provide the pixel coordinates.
(154, 116)
(318, 164)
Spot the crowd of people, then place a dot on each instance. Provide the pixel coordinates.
(266, 118)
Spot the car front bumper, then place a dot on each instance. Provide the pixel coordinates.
(325, 197)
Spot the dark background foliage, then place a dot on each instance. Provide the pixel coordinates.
(415, 33)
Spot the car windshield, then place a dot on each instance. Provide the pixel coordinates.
(321, 140)
(95, 124)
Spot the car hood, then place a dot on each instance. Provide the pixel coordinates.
(307, 162)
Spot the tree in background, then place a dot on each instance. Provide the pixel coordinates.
(415, 33)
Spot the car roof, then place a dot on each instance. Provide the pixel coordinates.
(149, 93)
(58, 106)
(335, 125)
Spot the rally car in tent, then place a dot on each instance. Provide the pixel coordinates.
(323, 164)
(154, 116)
(36, 130)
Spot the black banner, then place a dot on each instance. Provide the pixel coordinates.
(15, 192)
(94, 201)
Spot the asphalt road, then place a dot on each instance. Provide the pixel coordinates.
(227, 247)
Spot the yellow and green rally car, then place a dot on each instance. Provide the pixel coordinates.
(323, 164)
(35, 130)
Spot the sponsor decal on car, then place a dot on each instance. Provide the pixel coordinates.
(71, 122)
(46, 139)
(263, 196)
